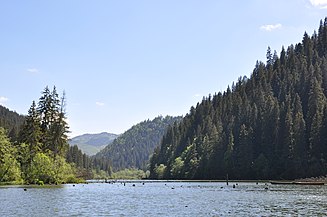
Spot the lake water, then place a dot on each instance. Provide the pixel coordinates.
(164, 199)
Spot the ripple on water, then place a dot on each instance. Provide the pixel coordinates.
(165, 199)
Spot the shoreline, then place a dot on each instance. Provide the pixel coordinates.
(311, 180)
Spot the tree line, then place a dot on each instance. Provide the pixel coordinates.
(89, 167)
(39, 152)
(272, 125)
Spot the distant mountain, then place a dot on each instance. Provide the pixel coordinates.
(90, 144)
(133, 148)
(11, 121)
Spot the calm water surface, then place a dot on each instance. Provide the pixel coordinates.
(165, 199)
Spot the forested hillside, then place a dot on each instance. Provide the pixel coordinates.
(272, 125)
(88, 167)
(11, 121)
(133, 148)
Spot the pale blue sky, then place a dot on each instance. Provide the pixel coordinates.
(121, 62)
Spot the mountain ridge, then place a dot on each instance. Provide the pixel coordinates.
(92, 143)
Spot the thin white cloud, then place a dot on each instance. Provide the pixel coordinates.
(271, 27)
(197, 95)
(3, 100)
(33, 70)
(99, 103)
(319, 3)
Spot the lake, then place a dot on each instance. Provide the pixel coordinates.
(164, 199)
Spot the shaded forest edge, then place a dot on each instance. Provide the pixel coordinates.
(272, 125)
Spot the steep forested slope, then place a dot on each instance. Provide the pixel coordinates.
(11, 121)
(133, 148)
(272, 125)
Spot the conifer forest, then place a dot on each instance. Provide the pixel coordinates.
(272, 125)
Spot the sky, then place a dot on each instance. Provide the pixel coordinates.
(125, 61)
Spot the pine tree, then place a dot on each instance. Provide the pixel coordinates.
(317, 103)
(286, 154)
(54, 127)
(45, 111)
(30, 135)
(59, 130)
(244, 154)
(269, 56)
(300, 142)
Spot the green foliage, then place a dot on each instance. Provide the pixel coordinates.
(63, 171)
(272, 125)
(177, 167)
(30, 138)
(190, 160)
(133, 148)
(100, 174)
(48, 170)
(160, 171)
(10, 170)
(88, 167)
(9, 166)
(41, 168)
(39, 154)
(52, 122)
(129, 174)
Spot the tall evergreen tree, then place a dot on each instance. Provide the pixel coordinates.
(59, 129)
(30, 136)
